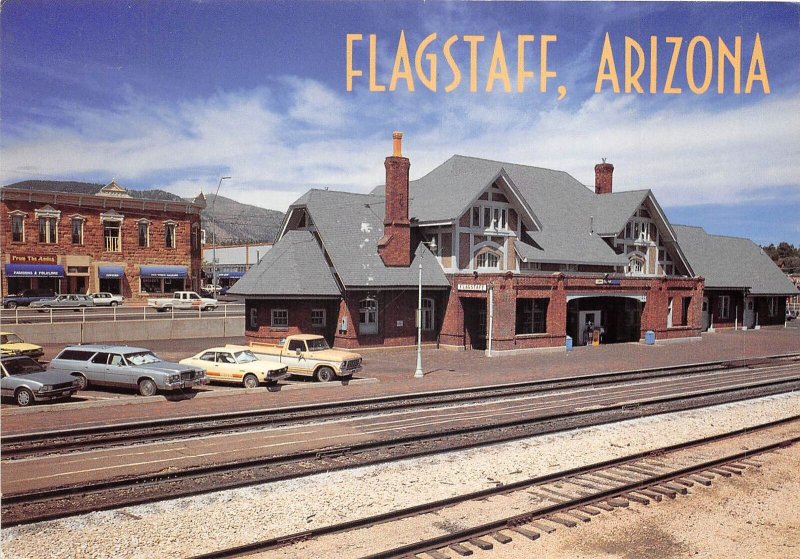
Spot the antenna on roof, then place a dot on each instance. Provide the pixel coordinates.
(604, 159)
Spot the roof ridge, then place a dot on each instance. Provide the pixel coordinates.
(507, 163)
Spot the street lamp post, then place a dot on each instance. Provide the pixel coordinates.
(214, 246)
(419, 373)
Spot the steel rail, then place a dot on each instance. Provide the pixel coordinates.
(35, 443)
(517, 519)
(151, 487)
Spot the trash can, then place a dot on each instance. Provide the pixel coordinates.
(650, 337)
(569, 343)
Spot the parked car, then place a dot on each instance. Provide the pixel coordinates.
(309, 355)
(63, 302)
(105, 299)
(11, 344)
(26, 297)
(790, 314)
(238, 365)
(27, 381)
(129, 367)
(183, 300)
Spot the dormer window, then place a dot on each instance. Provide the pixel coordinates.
(636, 265)
(487, 260)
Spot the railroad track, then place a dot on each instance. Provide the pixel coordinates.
(565, 499)
(67, 500)
(72, 439)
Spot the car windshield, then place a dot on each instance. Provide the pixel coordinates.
(245, 356)
(317, 345)
(10, 339)
(22, 366)
(142, 358)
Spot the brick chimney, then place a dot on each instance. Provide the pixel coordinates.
(602, 177)
(394, 247)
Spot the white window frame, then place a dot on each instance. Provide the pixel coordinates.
(51, 218)
(174, 239)
(279, 318)
(482, 260)
(370, 313)
(253, 318)
(17, 214)
(321, 320)
(724, 307)
(115, 219)
(670, 306)
(146, 224)
(634, 259)
(428, 314)
(72, 219)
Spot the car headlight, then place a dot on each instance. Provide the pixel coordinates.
(46, 388)
(174, 378)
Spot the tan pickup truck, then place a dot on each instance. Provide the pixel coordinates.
(310, 355)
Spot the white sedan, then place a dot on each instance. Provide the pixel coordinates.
(239, 366)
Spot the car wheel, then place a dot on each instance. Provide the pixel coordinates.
(250, 381)
(147, 387)
(24, 397)
(11, 305)
(324, 374)
(82, 381)
(114, 303)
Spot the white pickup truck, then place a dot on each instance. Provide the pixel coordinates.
(309, 355)
(183, 300)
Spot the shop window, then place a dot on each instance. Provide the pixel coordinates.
(169, 234)
(368, 316)
(48, 230)
(17, 227)
(174, 284)
(318, 318)
(279, 318)
(144, 233)
(532, 316)
(428, 314)
(151, 285)
(77, 230)
(724, 307)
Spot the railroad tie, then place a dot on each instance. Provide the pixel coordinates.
(609, 477)
(727, 468)
(585, 484)
(563, 521)
(558, 494)
(481, 544)
(547, 529)
(737, 466)
(705, 475)
(637, 499)
(603, 506)
(701, 480)
(460, 549)
(436, 554)
(628, 474)
(595, 482)
(675, 487)
(664, 491)
(500, 537)
(618, 502)
(720, 472)
(589, 510)
(530, 534)
(638, 470)
(750, 462)
(684, 481)
(651, 494)
(579, 515)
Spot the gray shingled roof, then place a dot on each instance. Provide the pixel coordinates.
(294, 266)
(732, 262)
(350, 226)
(612, 211)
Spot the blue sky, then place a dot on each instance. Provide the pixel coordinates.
(173, 94)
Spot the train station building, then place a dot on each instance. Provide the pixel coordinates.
(70, 242)
(509, 257)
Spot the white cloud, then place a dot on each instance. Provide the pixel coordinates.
(278, 143)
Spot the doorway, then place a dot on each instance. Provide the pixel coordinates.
(474, 323)
(587, 320)
(706, 315)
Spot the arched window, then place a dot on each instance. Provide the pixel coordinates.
(428, 314)
(368, 316)
(636, 265)
(487, 260)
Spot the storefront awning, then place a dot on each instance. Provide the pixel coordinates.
(163, 271)
(34, 271)
(111, 272)
(231, 275)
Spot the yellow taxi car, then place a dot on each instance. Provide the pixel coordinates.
(237, 365)
(11, 344)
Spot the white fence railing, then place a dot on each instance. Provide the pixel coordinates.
(26, 315)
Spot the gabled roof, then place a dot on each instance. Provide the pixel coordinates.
(615, 209)
(294, 266)
(350, 226)
(732, 262)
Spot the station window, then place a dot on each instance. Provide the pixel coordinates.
(427, 314)
(253, 318)
(279, 318)
(318, 318)
(772, 306)
(532, 316)
(487, 260)
(368, 316)
(724, 306)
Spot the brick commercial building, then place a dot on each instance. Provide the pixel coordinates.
(109, 241)
(509, 257)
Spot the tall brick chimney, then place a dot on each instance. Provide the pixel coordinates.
(394, 247)
(602, 177)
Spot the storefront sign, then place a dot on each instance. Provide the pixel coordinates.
(472, 287)
(607, 282)
(31, 259)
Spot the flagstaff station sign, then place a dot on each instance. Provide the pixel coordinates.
(473, 287)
